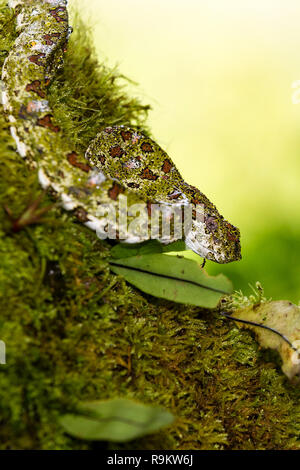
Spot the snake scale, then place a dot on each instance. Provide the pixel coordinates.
(119, 163)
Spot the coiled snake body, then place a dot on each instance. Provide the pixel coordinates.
(120, 162)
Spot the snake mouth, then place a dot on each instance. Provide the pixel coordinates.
(222, 255)
(222, 258)
(217, 256)
(200, 249)
(226, 254)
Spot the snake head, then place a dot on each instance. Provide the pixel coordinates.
(141, 166)
(215, 239)
(209, 234)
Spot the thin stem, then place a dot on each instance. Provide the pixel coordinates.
(248, 322)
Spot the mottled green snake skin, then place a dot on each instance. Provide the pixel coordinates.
(119, 163)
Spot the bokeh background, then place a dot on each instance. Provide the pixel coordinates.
(219, 77)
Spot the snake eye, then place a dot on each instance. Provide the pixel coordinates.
(211, 223)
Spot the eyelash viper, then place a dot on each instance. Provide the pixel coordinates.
(119, 162)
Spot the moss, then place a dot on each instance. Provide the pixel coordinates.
(74, 331)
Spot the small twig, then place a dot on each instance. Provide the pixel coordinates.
(248, 322)
(31, 215)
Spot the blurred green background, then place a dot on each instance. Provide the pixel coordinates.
(219, 77)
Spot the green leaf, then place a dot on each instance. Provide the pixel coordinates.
(126, 250)
(173, 278)
(117, 420)
(179, 245)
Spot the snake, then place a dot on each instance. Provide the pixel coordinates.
(121, 164)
